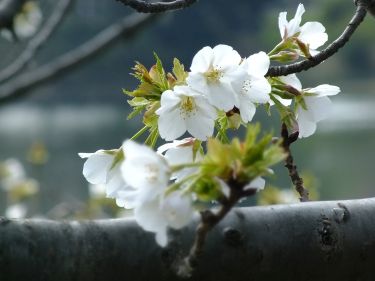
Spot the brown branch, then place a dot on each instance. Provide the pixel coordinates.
(21, 85)
(209, 220)
(157, 7)
(255, 243)
(287, 140)
(340, 42)
(37, 41)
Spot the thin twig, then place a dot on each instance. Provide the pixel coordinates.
(37, 41)
(157, 7)
(287, 140)
(209, 220)
(328, 52)
(20, 86)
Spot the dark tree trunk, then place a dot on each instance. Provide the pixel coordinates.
(301, 242)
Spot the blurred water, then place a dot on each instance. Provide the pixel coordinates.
(341, 154)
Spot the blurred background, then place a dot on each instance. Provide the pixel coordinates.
(83, 108)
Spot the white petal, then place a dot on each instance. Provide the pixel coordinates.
(291, 80)
(16, 211)
(257, 65)
(284, 102)
(283, 23)
(135, 150)
(247, 109)
(179, 155)
(318, 108)
(198, 82)
(222, 96)
(305, 127)
(162, 237)
(177, 209)
(150, 218)
(130, 199)
(293, 26)
(225, 56)
(205, 108)
(202, 60)
(258, 90)
(324, 90)
(200, 126)
(185, 91)
(175, 144)
(171, 125)
(97, 166)
(313, 33)
(257, 183)
(144, 168)
(115, 182)
(169, 100)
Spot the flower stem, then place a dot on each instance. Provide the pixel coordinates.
(139, 133)
(289, 163)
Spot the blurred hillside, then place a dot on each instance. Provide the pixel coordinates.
(248, 26)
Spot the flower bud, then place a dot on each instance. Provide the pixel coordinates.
(285, 56)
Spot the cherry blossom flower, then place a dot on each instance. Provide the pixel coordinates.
(213, 71)
(254, 88)
(181, 152)
(183, 109)
(146, 172)
(99, 170)
(311, 34)
(318, 108)
(317, 105)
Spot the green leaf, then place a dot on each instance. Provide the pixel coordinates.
(161, 76)
(179, 72)
(139, 104)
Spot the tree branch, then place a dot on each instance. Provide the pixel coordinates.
(20, 86)
(329, 51)
(37, 41)
(258, 243)
(287, 140)
(157, 7)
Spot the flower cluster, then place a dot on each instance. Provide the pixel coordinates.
(221, 91)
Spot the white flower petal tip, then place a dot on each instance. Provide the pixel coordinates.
(185, 109)
(324, 90)
(96, 166)
(181, 152)
(257, 184)
(312, 34)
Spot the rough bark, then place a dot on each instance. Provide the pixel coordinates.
(310, 241)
